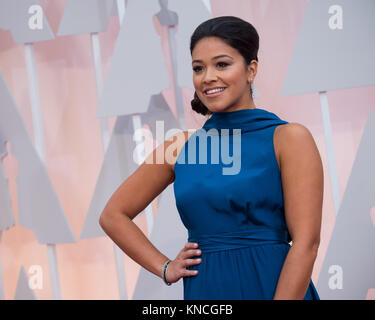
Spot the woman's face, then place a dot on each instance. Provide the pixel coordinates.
(218, 65)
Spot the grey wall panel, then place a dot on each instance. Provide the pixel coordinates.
(137, 67)
(85, 16)
(117, 165)
(328, 57)
(4, 15)
(118, 161)
(21, 22)
(190, 14)
(23, 291)
(38, 205)
(349, 264)
(159, 110)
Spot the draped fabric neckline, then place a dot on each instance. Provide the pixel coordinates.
(244, 119)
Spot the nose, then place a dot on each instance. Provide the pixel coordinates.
(209, 76)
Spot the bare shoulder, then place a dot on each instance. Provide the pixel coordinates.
(174, 144)
(293, 140)
(292, 130)
(167, 152)
(302, 183)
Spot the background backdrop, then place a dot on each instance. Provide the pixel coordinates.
(78, 77)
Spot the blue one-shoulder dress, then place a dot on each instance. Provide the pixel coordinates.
(229, 196)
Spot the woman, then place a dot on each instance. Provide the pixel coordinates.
(239, 224)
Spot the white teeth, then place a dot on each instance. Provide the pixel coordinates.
(214, 90)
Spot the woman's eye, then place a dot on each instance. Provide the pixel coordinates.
(222, 64)
(219, 64)
(196, 69)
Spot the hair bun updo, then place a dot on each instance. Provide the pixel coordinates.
(198, 106)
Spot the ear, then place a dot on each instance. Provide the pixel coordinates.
(252, 69)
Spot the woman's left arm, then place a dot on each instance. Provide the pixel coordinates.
(302, 182)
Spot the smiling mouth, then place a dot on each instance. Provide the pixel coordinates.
(214, 92)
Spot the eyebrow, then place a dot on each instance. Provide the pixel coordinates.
(216, 57)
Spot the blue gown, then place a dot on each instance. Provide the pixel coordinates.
(237, 217)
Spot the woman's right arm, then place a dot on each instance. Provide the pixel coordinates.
(131, 198)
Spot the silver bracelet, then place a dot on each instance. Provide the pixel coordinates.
(164, 272)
